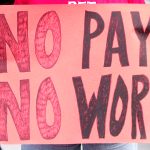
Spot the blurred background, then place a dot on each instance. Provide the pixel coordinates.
(143, 146)
(18, 147)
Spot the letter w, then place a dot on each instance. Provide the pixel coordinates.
(97, 106)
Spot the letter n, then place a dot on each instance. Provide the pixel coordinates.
(20, 49)
(20, 115)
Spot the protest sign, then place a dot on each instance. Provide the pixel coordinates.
(74, 74)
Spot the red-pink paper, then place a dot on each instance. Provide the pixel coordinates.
(74, 74)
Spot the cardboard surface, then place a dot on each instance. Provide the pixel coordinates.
(74, 74)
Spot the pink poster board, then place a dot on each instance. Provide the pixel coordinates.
(74, 74)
